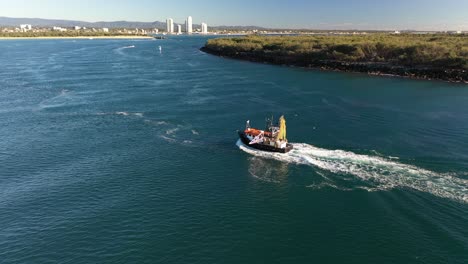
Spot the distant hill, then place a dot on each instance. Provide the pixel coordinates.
(245, 28)
(40, 22)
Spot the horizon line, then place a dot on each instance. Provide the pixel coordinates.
(263, 27)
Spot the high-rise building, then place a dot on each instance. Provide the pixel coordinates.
(188, 25)
(179, 29)
(25, 27)
(204, 28)
(170, 25)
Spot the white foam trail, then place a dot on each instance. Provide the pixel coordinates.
(378, 171)
(168, 139)
(120, 50)
(158, 123)
(172, 131)
(65, 98)
(127, 114)
(328, 184)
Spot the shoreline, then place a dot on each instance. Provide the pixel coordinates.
(79, 37)
(369, 68)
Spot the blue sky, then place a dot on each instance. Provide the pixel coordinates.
(325, 14)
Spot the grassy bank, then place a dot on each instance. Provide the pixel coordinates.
(431, 56)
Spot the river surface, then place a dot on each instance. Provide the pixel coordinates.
(112, 152)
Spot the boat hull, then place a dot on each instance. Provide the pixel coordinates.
(268, 148)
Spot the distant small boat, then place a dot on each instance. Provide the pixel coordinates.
(273, 139)
(159, 37)
(160, 49)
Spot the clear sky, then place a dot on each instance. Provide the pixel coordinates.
(312, 14)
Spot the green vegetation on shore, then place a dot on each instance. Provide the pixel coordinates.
(70, 33)
(439, 56)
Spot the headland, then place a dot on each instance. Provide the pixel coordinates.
(420, 56)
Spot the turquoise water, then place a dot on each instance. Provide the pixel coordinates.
(111, 153)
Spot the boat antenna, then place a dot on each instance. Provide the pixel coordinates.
(269, 123)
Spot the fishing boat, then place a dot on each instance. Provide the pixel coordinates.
(272, 139)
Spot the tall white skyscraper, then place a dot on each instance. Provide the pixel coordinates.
(179, 29)
(188, 25)
(204, 28)
(170, 25)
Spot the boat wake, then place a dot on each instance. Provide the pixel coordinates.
(121, 113)
(377, 173)
(120, 50)
(65, 98)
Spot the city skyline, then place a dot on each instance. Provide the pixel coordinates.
(170, 26)
(294, 14)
